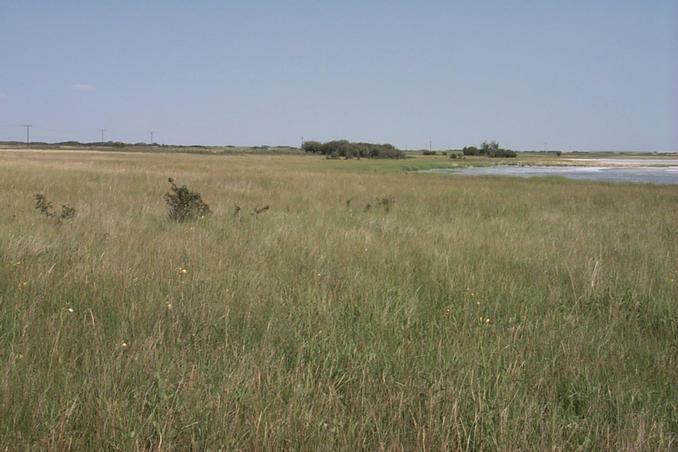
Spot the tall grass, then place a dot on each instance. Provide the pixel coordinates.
(476, 313)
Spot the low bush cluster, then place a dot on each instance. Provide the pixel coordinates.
(183, 204)
(347, 149)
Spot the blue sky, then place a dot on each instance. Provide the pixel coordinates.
(578, 75)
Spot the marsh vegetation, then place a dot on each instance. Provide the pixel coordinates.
(454, 314)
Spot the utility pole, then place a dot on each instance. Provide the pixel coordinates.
(302, 143)
(102, 136)
(545, 145)
(151, 137)
(28, 135)
(429, 145)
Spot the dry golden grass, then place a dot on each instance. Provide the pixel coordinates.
(476, 313)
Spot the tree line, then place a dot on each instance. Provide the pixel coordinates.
(490, 149)
(347, 149)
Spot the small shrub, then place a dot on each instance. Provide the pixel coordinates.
(67, 213)
(386, 202)
(45, 207)
(184, 204)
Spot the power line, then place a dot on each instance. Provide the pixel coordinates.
(28, 134)
(102, 135)
(151, 136)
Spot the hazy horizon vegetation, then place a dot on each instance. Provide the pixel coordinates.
(165, 147)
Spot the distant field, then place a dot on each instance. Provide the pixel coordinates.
(453, 313)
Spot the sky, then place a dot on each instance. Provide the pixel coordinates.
(532, 75)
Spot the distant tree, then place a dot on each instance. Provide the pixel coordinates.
(311, 146)
(490, 149)
(493, 150)
(336, 148)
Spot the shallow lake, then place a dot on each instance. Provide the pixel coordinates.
(628, 161)
(647, 174)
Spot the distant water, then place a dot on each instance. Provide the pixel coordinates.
(647, 174)
(640, 162)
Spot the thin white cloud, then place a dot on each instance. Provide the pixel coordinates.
(82, 87)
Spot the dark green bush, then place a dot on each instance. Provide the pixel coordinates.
(184, 204)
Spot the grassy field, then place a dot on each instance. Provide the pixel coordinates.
(457, 313)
